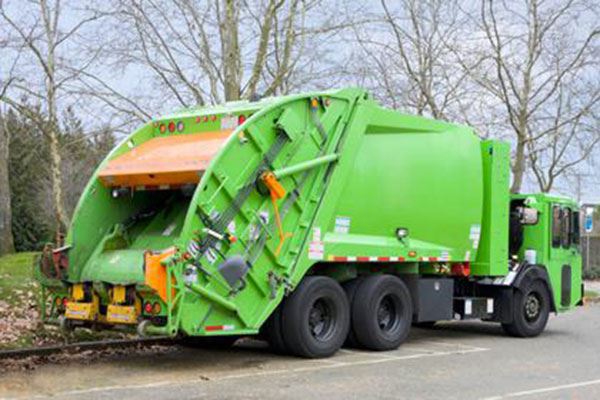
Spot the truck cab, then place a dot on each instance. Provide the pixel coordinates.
(544, 231)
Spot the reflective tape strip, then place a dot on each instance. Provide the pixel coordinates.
(212, 328)
(365, 259)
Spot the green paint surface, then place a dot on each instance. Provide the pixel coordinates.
(354, 173)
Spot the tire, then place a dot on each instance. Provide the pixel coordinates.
(531, 309)
(316, 318)
(208, 342)
(382, 312)
(350, 289)
(273, 333)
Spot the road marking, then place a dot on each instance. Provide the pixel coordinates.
(545, 390)
(451, 344)
(383, 358)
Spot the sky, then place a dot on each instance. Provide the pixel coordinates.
(133, 79)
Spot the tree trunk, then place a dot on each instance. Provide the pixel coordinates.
(231, 51)
(62, 220)
(6, 237)
(518, 168)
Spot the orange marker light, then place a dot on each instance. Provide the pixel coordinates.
(314, 103)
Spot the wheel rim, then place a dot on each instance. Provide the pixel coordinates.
(388, 312)
(532, 307)
(321, 320)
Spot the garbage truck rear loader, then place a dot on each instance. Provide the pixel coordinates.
(312, 220)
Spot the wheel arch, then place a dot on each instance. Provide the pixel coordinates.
(532, 273)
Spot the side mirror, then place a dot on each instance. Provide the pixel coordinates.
(529, 216)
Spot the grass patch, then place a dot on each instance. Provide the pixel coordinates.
(16, 276)
(20, 322)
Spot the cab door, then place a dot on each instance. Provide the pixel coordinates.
(565, 257)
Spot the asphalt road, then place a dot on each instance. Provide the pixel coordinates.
(459, 360)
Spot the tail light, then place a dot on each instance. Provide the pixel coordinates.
(162, 128)
(65, 301)
(241, 119)
(180, 126)
(171, 126)
(148, 308)
(156, 308)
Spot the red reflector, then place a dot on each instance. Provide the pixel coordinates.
(171, 126)
(163, 128)
(65, 301)
(213, 328)
(241, 119)
(148, 308)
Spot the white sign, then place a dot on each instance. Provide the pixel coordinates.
(229, 122)
(342, 225)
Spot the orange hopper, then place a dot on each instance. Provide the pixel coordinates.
(164, 161)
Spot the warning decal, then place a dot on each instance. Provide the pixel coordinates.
(475, 234)
(342, 225)
(316, 248)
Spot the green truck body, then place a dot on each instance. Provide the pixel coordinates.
(307, 187)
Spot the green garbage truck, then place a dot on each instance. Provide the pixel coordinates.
(313, 221)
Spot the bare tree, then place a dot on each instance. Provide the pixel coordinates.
(409, 60)
(6, 236)
(38, 35)
(570, 137)
(202, 52)
(531, 51)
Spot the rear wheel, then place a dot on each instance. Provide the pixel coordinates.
(531, 309)
(316, 318)
(382, 312)
(273, 333)
(350, 289)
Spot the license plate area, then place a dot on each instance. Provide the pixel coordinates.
(79, 311)
(121, 314)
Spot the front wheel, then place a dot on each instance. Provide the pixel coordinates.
(531, 309)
